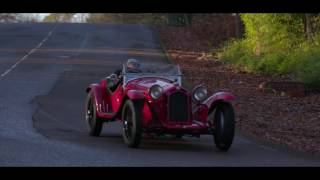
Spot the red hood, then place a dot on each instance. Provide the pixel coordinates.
(146, 82)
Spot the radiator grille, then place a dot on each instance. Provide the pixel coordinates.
(178, 107)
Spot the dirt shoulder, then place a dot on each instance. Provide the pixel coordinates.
(290, 121)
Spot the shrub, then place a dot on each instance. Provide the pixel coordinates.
(307, 68)
(275, 44)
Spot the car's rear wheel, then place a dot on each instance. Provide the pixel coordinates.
(179, 136)
(224, 126)
(94, 122)
(132, 123)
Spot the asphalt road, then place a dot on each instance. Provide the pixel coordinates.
(44, 70)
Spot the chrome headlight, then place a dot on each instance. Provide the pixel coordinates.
(156, 91)
(200, 93)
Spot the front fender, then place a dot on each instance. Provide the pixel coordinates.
(135, 94)
(218, 97)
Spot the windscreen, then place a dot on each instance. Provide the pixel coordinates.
(168, 71)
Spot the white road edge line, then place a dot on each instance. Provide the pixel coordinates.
(29, 53)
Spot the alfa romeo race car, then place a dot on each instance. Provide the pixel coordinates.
(150, 99)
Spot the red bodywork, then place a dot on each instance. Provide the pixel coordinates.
(155, 113)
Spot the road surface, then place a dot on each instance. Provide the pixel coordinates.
(44, 70)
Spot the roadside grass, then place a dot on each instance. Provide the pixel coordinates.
(302, 63)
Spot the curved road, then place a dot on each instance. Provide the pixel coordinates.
(44, 70)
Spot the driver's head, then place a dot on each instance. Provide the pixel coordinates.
(133, 65)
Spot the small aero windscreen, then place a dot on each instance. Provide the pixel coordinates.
(169, 71)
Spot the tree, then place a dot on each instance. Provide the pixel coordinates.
(308, 27)
(8, 17)
(178, 19)
(29, 17)
(188, 19)
(131, 18)
(59, 17)
(238, 25)
(278, 43)
(82, 17)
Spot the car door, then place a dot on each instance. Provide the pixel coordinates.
(116, 98)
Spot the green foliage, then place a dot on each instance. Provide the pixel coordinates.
(276, 43)
(142, 18)
(268, 32)
(128, 18)
(307, 67)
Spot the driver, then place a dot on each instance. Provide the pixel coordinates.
(132, 66)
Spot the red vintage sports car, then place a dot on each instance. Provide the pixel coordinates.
(150, 99)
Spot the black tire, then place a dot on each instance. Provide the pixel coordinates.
(132, 123)
(179, 136)
(94, 122)
(224, 126)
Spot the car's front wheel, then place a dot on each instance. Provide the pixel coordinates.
(94, 122)
(224, 126)
(132, 123)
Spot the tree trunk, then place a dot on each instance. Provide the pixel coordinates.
(188, 19)
(308, 27)
(239, 26)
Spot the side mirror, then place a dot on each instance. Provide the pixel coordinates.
(111, 80)
(113, 76)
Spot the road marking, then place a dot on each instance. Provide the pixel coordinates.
(83, 44)
(5, 73)
(29, 53)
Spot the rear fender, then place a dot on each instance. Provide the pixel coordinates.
(90, 86)
(213, 100)
(97, 93)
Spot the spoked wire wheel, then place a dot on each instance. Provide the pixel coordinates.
(94, 123)
(132, 123)
(224, 126)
